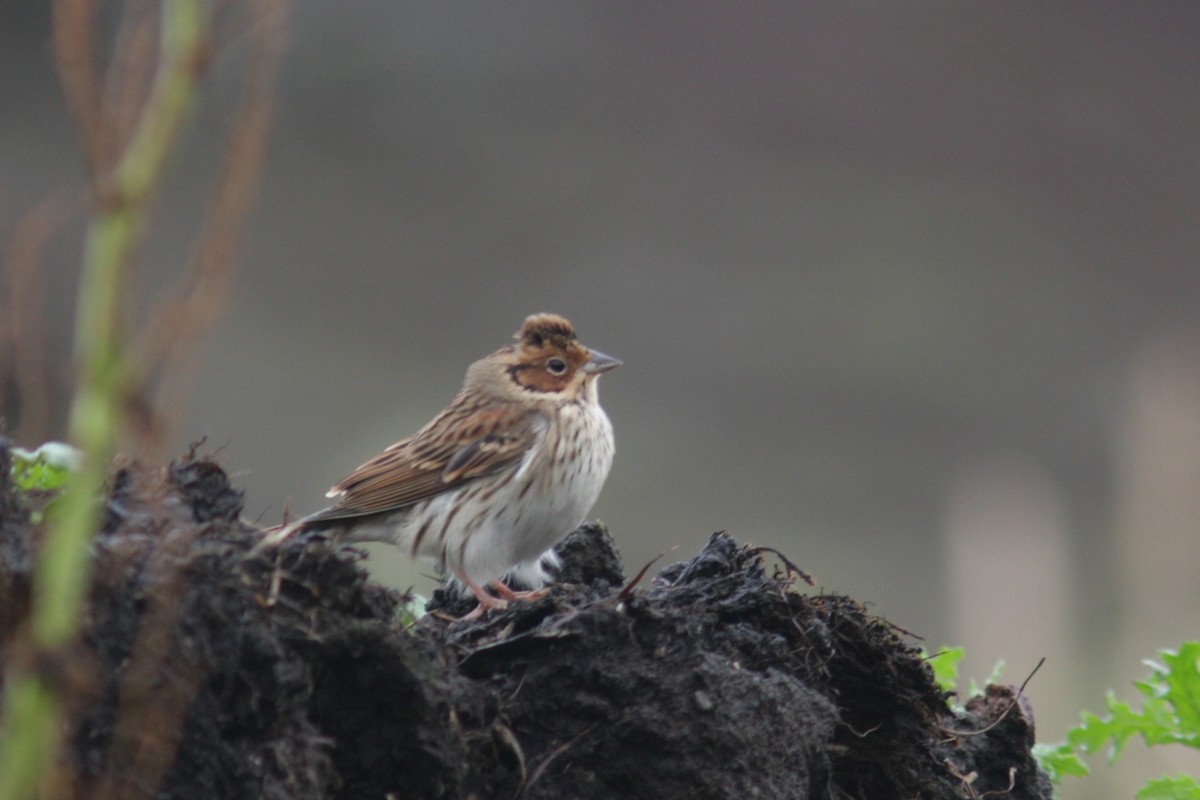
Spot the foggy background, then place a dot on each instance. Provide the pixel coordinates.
(905, 290)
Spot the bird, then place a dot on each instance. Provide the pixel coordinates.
(511, 466)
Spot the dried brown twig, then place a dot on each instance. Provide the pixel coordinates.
(24, 332)
(167, 346)
(75, 58)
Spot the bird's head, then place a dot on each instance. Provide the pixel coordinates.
(547, 361)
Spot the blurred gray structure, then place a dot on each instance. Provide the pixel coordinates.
(906, 290)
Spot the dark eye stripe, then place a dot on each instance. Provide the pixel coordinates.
(515, 371)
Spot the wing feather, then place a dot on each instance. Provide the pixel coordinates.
(455, 448)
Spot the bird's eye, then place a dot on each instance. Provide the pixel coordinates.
(556, 366)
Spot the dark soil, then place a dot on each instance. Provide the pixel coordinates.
(208, 669)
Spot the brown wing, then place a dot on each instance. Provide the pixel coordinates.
(454, 449)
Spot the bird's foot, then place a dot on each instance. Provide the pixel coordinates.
(499, 601)
(508, 594)
(487, 601)
(483, 608)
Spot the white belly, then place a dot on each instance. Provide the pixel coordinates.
(486, 528)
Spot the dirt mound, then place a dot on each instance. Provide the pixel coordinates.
(208, 669)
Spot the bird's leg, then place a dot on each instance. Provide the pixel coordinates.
(486, 600)
(499, 601)
(510, 596)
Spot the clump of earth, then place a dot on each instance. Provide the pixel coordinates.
(211, 668)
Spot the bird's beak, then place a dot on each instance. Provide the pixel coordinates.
(600, 363)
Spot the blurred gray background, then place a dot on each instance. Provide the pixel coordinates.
(905, 290)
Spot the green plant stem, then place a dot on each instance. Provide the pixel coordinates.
(32, 719)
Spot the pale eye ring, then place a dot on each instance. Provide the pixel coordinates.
(556, 366)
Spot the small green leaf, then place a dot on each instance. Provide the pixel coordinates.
(1091, 734)
(1180, 787)
(1183, 689)
(1059, 760)
(45, 469)
(413, 610)
(945, 667)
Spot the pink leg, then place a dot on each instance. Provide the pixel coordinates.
(486, 601)
(511, 596)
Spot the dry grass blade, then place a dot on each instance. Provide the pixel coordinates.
(791, 567)
(629, 587)
(541, 768)
(1016, 699)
